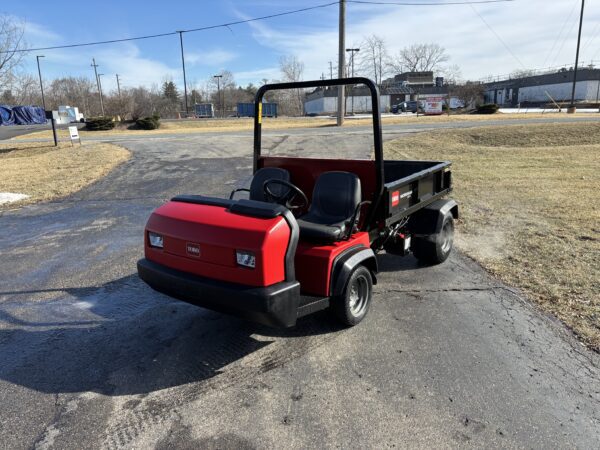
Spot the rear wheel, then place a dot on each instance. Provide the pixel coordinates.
(435, 248)
(352, 306)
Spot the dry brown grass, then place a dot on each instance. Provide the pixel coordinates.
(45, 172)
(530, 209)
(247, 124)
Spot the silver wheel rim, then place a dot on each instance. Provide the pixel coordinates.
(358, 297)
(447, 237)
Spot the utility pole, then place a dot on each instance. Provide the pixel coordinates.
(118, 85)
(218, 77)
(95, 66)
(572, 106)
(41, 84)
(100, 87)
(184, 80)
(330, 70)
(341, 64)
(352, 52)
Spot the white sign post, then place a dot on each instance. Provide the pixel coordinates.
(74, 134)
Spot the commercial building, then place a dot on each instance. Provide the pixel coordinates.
(403, 87)
(545, 88)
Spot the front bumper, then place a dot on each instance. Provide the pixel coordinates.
(275, 305)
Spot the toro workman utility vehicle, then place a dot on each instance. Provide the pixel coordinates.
(307, 237)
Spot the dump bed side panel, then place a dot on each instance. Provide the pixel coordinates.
(412, 185)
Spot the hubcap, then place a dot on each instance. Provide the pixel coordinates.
(359, 292)
(447, 237)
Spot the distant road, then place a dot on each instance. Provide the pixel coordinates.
(19, 130)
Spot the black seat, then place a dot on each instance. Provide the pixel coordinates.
(335, 200)
(258, 180)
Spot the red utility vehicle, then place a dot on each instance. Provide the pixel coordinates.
(307, 237)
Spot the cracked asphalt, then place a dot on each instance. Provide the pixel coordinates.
(90, 357)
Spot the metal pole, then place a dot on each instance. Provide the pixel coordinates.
(352, 52)
(118, 85)
(183, 65)
(341, 63)
(597, 95)
(41, 84)
(95, 66)
(100, 89)
(218, 77)
(572, 107)
(330, 70)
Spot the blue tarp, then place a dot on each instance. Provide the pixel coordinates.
(21, 115)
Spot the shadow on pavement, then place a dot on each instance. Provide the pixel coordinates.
(122, 338)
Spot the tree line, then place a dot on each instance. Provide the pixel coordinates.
(167, 99)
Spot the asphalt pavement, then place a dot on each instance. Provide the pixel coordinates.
(93, 358)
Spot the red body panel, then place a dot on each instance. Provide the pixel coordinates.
(314, 263)
(218, 234)
(305, 171)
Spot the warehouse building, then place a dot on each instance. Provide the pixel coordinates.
(542, 89)
(403, 87)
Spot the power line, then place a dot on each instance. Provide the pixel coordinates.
(473, 2)
(497, 36)
(152, 36)
(558, 36)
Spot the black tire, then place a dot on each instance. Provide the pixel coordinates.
(435, 248)
(352, 306)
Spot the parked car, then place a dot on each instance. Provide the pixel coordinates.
(410, 106)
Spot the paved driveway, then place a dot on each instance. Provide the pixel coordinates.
(91, 357)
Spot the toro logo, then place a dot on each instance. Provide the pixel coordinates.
(192, 249)
(395, 198)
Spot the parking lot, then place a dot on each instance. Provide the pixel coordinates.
(91, 357)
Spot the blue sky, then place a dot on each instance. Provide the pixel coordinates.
(529, 28)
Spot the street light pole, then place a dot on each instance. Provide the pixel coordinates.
(183, 65)
(41, 84)
(218, 77)
(352, 52)
(572, 106)
(341, 63)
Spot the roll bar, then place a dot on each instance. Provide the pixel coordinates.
(377, 136)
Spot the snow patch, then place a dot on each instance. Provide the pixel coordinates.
(9, 197)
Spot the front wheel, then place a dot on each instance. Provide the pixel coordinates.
(352, 306)
(435, 248)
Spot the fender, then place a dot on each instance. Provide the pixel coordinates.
(429, 220)
(346, 262)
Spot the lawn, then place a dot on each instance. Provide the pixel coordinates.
(247, 124)
(45, 172)
(529, 197)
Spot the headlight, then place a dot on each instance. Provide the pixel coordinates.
(156, 240)
(245, 258)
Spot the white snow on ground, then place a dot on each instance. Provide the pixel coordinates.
(9, 197)
(543, 111)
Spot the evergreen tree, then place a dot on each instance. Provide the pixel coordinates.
(170, 91)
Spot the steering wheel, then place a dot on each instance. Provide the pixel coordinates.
(285, 198)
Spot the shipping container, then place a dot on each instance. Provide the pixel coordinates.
(204, 110)
(247, 109)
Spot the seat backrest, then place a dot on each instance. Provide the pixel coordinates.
(336, 195)
(267, 173)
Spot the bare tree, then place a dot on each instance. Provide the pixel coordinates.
(470, 93)
(419, 58)
(451, 73)
(372, 58)
(12, 45)
(292, 101)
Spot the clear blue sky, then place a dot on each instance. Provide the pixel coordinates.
(529, 28)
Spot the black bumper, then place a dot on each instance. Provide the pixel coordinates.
(275, 305)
